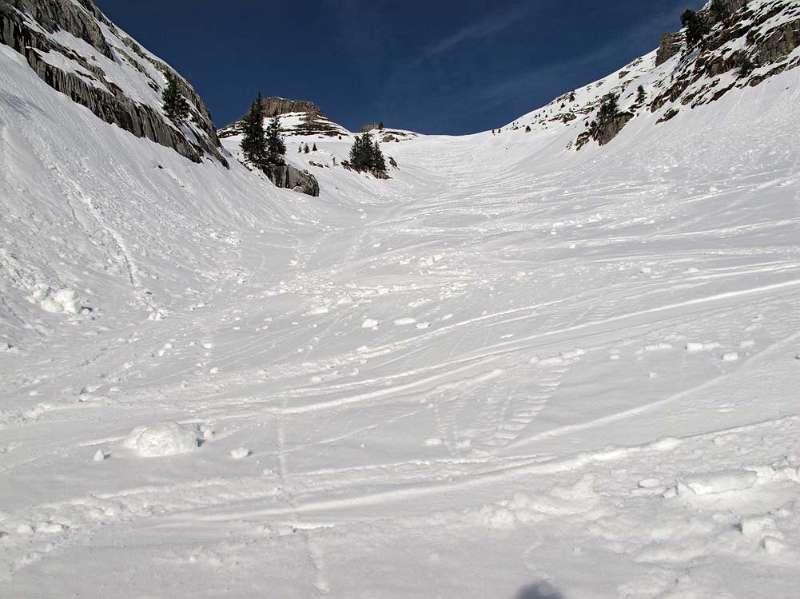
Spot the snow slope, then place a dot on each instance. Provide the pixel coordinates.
(511, 368)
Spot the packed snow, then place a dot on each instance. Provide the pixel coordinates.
(512, 369)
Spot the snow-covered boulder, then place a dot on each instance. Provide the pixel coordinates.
(57, 301)
(163, 439)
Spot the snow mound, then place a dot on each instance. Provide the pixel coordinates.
(163, 439)
(714, 483)
(240, 453)
(56, 301)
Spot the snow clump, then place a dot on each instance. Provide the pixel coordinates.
(163, 439)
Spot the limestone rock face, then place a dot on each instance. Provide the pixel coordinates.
(289, 177)
(612, 128)
(42, 29)
(276, 106)
(729, 7)
(753, 41)
(605, 131)
(779, 42)
(301, 118)
(671, 44)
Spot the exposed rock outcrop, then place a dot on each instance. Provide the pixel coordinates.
(373, 126)
(753, 41)
(289, 177)
(605, 130)
(276, 106)
(28, 26)
(308, 119)
(671, 44)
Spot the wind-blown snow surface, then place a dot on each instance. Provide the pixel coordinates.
(512, 366)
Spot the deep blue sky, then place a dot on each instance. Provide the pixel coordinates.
(433, 66)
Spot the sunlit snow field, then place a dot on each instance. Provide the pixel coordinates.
(512, 364)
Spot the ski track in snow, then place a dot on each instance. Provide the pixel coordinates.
(578, 369)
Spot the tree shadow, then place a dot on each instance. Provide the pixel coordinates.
(539, 590)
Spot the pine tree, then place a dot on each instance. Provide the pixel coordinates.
(696, 27)
(359, 156)
(527, 128)
(254, 141)
(314, 149)
(366, 155)
(609, 109)
(175, 105)
(640, 95)
(276, 149)
(378, 162)
(306, 150)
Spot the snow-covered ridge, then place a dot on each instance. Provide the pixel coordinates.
(76, 50)
(756, 40)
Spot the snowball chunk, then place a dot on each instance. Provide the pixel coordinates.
(57, 301)
(163, 439)
(240, 453)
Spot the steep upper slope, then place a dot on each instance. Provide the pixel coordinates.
(76, 50)
(746, 43)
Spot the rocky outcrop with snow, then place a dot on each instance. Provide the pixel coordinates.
(297, 117)
(289, 177)
(77, 51)
(746, 44)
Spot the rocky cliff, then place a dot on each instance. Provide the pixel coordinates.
(297, 117)
(275, 106)
(77, 51)
(745, 43)
(288, 177)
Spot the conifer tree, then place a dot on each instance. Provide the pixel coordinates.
(609, 108)
(378, 162)
(254, 141)
(306, 150)
(314, 149)
(276, 148)
(361, 151)
(696, 27)
(175, 105)
(366, 155)
(640, 95)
